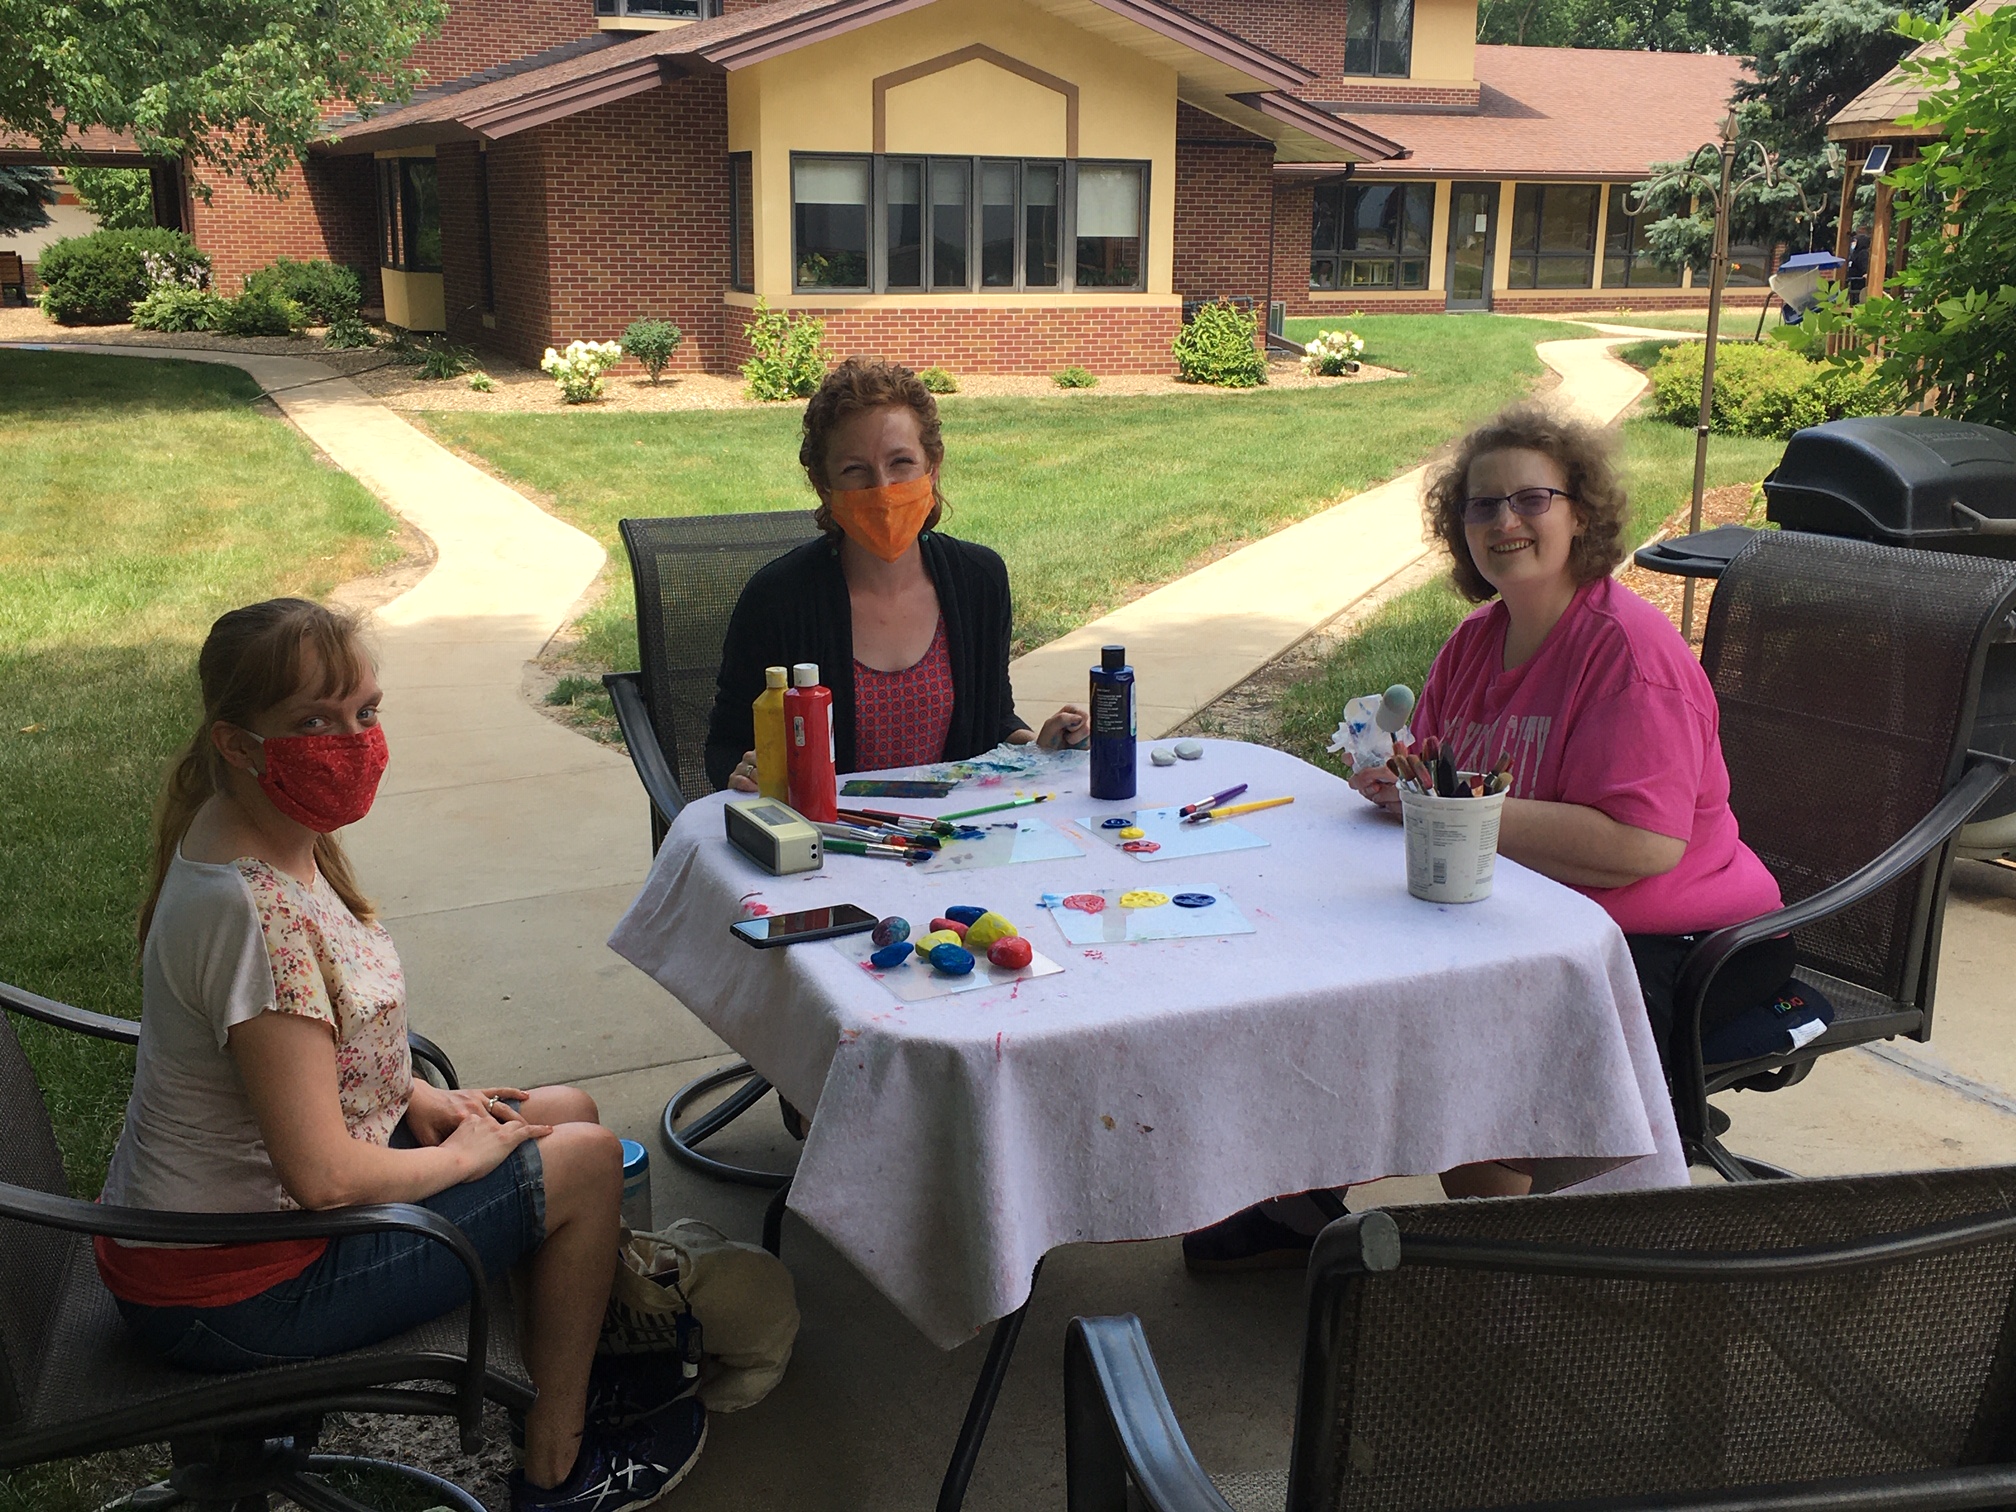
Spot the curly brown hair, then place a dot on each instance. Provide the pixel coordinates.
(1587, 460)
(854, 387)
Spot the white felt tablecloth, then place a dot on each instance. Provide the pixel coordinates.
(1154, 1088)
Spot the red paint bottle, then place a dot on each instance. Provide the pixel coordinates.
(808, 745)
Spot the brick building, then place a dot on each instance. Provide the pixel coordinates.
(993, 185)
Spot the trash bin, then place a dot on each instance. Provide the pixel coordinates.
(1919, 481)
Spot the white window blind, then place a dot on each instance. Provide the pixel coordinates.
(830, 181)
(1109, 202)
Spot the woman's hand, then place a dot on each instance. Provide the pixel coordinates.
(433, 1114)
(743, 778)
(1378, 784)
(1069, 728)
(480, 1143)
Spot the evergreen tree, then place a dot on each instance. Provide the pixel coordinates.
(23, 193)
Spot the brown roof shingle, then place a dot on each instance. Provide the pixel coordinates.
(1874, 112)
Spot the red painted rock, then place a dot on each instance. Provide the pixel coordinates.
(1012, 952)
(952, 924)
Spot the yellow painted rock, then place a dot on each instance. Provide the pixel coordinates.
(934, 939)
(1143, 898)
(986, 929)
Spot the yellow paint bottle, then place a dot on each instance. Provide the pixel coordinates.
(771, 778)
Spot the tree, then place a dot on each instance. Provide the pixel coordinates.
(241, 88)
(121, 198)
(1661, 25)
(1948, 336)
(23, 193)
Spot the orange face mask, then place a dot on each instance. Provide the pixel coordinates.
(883, 520)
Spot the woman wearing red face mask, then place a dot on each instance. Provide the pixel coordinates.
(273, 1073)
(910, 628)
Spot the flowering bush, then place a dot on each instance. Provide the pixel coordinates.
(579, 369)
(176, 269)
(1333, 354)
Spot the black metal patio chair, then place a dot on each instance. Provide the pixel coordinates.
(74, 1382)
(1785, 1346)
(689, 573)
(1848, 676)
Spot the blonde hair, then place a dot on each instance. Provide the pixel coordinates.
(252, 661)
(1596, 494)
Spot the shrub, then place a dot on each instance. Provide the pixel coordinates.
(1333, 354)
(1767, 391)
(171, 307)
(348, 332)
(483, 383)
(652, 342)
(258, 312)
(579, 369)
(97, 279)
(937, 381)
(441, 360)
(789, 356)
(1216, 347)
(1074, 376)
(327, 293)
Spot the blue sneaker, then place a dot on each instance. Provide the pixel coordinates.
(622, 1469)
(626, 1389)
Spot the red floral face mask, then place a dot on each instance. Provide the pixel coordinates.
(323, 781)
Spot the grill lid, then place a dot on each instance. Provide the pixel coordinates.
(1900, 479)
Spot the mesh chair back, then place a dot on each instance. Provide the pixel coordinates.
(1459, 1388)
(1847, 675)
(32, 1260)
(689, 574)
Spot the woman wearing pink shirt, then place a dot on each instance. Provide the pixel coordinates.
(1618, 784)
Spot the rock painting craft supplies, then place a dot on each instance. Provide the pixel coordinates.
(1013, 953)
(1011, 843)
(875, 787)
(953, 960)
(917, 980)
(1452, 844)
(1139, 914)
(1215, 815)
(891, 931)
(995, 808)
(1026, 763)
(1161, 834)
(1189, 750)
(1433, 774)
(1213, 801)
(893, 954)
(885, 852)
(808, 742)
(1113, 762)
(1374, 727)
(1162, 756)
(772, 773)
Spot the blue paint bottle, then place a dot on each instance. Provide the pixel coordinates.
(1112, 725)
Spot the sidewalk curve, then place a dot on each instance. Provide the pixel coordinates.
(1192, 640)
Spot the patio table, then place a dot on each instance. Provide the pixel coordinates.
(1150, 1089)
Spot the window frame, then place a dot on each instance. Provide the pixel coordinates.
(398, 215)
(974, 167)
(1634, 244)
(741, 210)
(1515, 250)
(1341, 257)
(658, 10)
(1376, 10)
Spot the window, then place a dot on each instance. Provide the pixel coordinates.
(1553, 236)
(486, 271)
(677, 10)
(829, 211)
(918, 224)
(409, 215)
(1379, 38)
(1627, 262)
(1371, 236)
(1747, 261)
(741, 221)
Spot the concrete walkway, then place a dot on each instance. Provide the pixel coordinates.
(1192, 640)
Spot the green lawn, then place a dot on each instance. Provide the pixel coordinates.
(1091, 498)
(1397, 644)
(1740, 308)
(144, 499)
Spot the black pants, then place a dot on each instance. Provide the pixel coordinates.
(1751, 977)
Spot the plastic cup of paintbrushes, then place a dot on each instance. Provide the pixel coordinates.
(1452, 845)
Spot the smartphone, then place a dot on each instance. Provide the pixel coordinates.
(811, 924)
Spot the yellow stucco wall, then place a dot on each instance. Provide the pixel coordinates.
(414, 301)
(1445, 42)
(821, 99)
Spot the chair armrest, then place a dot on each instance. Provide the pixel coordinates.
(78, 1020)
(425, 1050)
(642, 739)
(1118, 1421)
(48, 1210)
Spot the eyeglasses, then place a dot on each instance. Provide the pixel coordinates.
(1526, 503)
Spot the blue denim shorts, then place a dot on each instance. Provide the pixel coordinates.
(365, 1288)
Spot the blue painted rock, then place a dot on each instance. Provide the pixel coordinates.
(888, 931)
(986, 929)
(953, 960)
(965, 913)
(894, 954)
(1013, 952)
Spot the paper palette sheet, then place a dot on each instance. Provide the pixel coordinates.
(1119, 916)
(980, 845)
(918, 981)
(1163, 836)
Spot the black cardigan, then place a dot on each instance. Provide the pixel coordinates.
(796, 609)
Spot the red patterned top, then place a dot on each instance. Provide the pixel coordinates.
(900, 718)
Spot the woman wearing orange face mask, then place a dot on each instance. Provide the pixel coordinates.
(910, 628)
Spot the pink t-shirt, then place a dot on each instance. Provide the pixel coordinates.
(1612, 712)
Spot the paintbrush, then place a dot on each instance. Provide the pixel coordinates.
(995, 808)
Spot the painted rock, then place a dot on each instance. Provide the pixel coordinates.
(1162, 757)
(956, 926)
(953, 960)
(1193, 900)
(986, 929)
(933, 940)
(965, 913)
(1189, 750)
(1013, 953)
(1132, 832)
(888, 931)
(892, 955)
(1143, 898)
